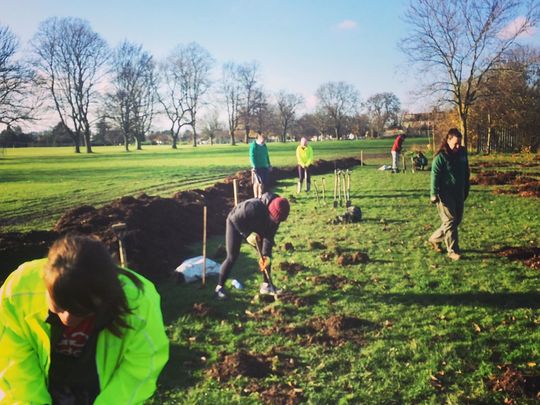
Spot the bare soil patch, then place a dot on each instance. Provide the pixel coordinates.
(253, 365)
(292, 268)
(530, 256)
(347, 259)
(159, 230)
(516, 384)
(493, 177)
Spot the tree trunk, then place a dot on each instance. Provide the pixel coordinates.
(138, 142)
(126, 143)
(194, 136)
(246, 138)
(489, 134)
(233, 141)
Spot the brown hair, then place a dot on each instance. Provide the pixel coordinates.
(82, 278)
(443, 147)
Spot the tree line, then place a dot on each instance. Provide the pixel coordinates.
(471, 66)
(103, 94)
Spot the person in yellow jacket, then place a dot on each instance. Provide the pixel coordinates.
(76, 328)
(304, 157)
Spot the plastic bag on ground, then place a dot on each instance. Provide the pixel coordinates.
(191, 269)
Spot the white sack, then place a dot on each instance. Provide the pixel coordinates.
(192, 268)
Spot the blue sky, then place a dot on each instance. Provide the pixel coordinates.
(299, 44)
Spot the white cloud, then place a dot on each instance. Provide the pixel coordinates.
(347, 25)
(514, 26)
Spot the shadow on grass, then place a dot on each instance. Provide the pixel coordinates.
(181, 367)
(530, 299)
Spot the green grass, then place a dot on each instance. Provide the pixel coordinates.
(436, 330)
(39, 184)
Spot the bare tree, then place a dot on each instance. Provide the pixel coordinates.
(230, 90)
(211, 126)
(187, 77)
(460, 41)
(248, 74)
(70, 57)
(383, 110)
(131, 103)
(18, 100)
(337, 102)
(287, 103)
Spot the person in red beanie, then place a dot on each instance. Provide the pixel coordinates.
(260, 216)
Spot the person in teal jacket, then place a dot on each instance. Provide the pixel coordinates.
(76, 328)
(260, 164)
(304, 158)
(449, 190)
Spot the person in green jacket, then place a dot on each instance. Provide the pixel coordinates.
(77, 329)
(449, 190)
(304, 157)
(260, 164)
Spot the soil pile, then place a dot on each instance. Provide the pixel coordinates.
(515, 384)
(292, 268)
(530, 256)
(334, 281)
(493, 177)
(158, 229)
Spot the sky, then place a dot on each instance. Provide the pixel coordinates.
(299, 44)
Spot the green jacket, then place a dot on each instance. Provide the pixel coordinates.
(304, 156)
(258, 155)
(128, 367)
(450, 175)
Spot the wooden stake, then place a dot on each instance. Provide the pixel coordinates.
(204, 248)
(361, 158)
(235, 188)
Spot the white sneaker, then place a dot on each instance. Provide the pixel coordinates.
(220, 293)
(268, 289)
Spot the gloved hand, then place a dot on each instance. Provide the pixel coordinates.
(264, 263)
(434, 199)
(254, 239)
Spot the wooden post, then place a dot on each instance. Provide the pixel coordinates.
(235, 190)
(361, 158)
(204, 248)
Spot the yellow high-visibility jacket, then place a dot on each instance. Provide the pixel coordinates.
(128, 367)
(304, 156)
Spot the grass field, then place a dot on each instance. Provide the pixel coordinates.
(428, 330)
(424, 329)
(39, 184)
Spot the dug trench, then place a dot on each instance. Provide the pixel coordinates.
(158, 230)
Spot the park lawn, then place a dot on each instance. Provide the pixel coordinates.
(39, 184)
(432, 331)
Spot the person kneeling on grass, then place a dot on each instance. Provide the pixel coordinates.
(77, 329)
(262, 217)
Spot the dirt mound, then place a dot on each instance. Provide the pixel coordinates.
(327, 256)
(292, 268)
(254, 365)
(347, 259)
(493, 177)
(288, 247)
(290, 298)
(515, 384)
(18, 247)
(530, 256)
(158, 229)
(241, 363)
(316, 245)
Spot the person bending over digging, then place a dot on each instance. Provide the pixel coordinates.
(449, 190)
(254, 216)
(304, 157)
(77, 329)
(260, 163)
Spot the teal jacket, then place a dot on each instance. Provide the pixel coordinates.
(128, 367)
(450, 174)
(258, 155)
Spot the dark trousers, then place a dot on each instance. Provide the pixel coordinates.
(303, 173)
(233, 241)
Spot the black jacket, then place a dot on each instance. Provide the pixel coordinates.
(252, 216)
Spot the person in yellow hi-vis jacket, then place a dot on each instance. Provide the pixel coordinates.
(77, 329)
(304, 157)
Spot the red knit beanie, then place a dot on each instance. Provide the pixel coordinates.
(279, 209)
